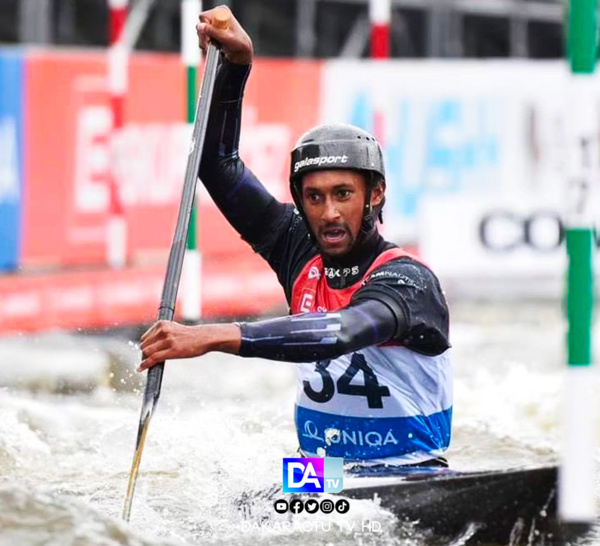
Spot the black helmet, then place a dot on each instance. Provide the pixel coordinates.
(338, 146)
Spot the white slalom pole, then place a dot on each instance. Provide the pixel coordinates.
(135, 22)
(116, 228)
(191, 303)
(380, 15)
(577, 477)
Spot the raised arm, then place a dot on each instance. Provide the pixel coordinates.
(248, 206)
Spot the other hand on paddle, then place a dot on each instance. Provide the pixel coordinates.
(167, 340)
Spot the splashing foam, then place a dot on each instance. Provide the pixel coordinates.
(38, 517)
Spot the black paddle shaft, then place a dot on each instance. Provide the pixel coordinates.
(171, 285)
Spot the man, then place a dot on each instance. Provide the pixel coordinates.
(368, 323)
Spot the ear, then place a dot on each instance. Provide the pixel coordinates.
(378, 193)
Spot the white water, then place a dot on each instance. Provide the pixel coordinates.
(223, 425)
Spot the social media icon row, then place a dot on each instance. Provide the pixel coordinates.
(296, 506)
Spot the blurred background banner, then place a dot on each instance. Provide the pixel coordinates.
(475, 148)
(448, 130)
(464, 128)
(474, 154)
(67, 195)
(68, 149)
(11, 156)
(475, 160)
(64, 184)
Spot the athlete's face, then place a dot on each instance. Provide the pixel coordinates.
(333, 202)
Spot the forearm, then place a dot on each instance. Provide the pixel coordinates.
(224, 338)
(298, 338)
(238, 194)
(319, 336)
(224, 122)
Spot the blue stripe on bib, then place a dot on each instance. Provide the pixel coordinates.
(369, 438)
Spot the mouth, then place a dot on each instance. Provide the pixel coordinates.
(333, 235)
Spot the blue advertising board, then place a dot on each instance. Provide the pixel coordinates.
(11, 156)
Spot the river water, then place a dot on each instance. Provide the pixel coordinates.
(70, 405)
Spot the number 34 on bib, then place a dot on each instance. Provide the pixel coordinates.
(370, 388)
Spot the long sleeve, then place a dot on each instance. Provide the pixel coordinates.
(270, 227)
(250, 209)
(318, 336)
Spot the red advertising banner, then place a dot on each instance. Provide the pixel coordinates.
(68, 154)
(105, 298)
(66, 198)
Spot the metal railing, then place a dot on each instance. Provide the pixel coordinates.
(441, 33)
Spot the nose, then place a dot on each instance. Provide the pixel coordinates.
(330, 211)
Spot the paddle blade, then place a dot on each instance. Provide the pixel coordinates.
(151, 395)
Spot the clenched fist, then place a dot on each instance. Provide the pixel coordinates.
(234, 41)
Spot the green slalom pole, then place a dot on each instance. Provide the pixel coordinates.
(577, 476)
(192, 265)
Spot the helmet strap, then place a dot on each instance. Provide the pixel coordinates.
(368, 222)
(369, 194)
